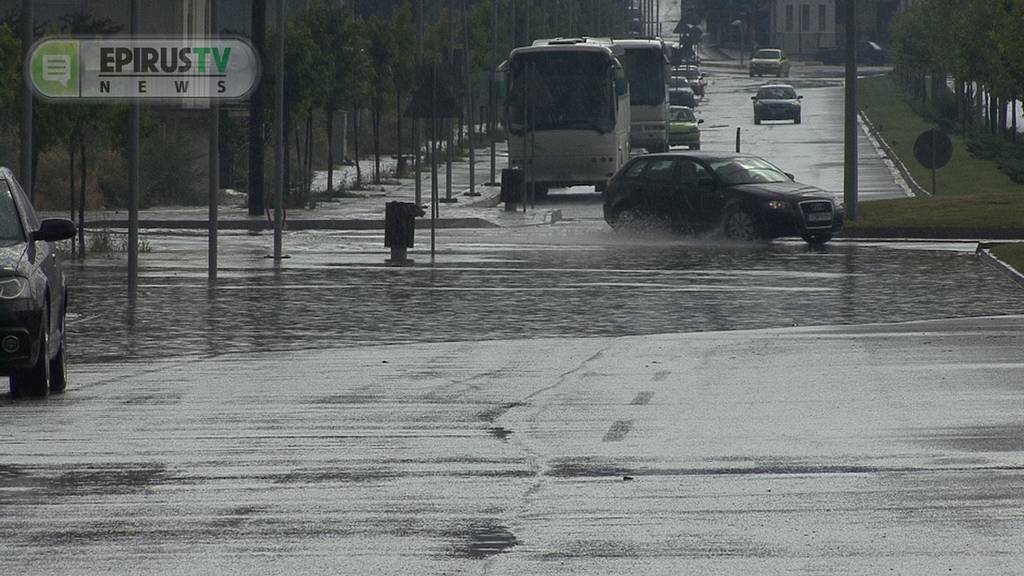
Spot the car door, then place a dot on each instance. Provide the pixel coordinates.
(711, 196)
(658, 188)
(690, 177)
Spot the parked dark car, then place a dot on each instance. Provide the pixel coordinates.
(694, 76)
(777, 102)
(742, 196)
(33, 295)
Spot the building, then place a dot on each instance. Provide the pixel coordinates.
(802, 27)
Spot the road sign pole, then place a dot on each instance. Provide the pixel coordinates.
(214, 167)
(416, 121)
(492, 97)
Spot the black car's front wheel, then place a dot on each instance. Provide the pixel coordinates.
(625, 218)
(738, 224)
(35, 381)
(58, 365)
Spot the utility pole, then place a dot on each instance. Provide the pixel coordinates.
(133, 176)
(447, 122)
(27, 36)
(214, 167)
(256, 116)
(471, 103)
(279, 132)
(850, 153)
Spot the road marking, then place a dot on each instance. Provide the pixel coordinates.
(642, 398)
(618, 430)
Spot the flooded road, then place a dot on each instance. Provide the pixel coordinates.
(575, 278)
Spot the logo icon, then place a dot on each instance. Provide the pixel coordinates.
(54, 68)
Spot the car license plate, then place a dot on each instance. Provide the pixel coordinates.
(819, 217)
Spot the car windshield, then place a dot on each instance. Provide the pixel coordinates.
(768, 54)
(683, 115)
(776, 93)
(10, 223)
(747, 170)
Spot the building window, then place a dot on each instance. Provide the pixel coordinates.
(789, 18)
(821, 18)
(805, 18)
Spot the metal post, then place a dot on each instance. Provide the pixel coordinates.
(416, 121)
(433, 157)
(850, 154)
(492, 97)
(133, 177)
(450, 139)
(738, 128)
(27, 36)
(471, 103)
(214, 176)
(279, 131)
(512, 7)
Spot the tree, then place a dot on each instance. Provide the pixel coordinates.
(381, 52)
(403, 68)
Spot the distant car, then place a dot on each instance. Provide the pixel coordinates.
(680, 93)
(769, 61)
(777, 102)
(684, 128)
(744, 197)
(694, 76)
(33, 294)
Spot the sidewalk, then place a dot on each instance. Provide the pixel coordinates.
(363, 211)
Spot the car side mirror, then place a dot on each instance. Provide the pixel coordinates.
(790, 176)
(701, 121)
(54, 229)
(799, 97)
(621, 86)
(753, 97)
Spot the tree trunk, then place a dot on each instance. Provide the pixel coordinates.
(71, 182)
(400, 169)
(285, 130)
(299, 160)
(376, 142)
(355, 146)
(309, 155)
(83, 167)
(1013, 130)
(330, 150)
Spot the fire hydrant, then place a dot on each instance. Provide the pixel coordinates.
(400, 230)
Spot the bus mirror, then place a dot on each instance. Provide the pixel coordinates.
(499, 87)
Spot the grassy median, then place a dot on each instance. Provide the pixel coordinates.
(974, 199)
(1012, 254)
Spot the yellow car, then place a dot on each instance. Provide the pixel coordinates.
(683, 127)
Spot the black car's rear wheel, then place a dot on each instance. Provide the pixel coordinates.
(817, 239)
(35, 381)
(739, 224)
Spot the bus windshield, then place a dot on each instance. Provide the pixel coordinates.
(567, 91)
(645, 70)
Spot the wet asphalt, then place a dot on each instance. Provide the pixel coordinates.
(544, 398)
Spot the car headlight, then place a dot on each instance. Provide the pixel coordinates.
(13, 287)
(777, 204)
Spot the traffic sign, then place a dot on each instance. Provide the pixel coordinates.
(933, 149)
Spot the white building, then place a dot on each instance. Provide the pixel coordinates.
(802, 27)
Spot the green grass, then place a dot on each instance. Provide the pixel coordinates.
(889, 109)
(974, 196)
(1012, 254)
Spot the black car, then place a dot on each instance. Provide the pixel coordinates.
(777, 102)
(33, 295)
(744, 197)
(680, 93)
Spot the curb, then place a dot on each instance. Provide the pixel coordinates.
(901, 169)
(986, 255)
(961, 234)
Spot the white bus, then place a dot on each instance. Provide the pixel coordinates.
(566, 113)
(647, 68)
